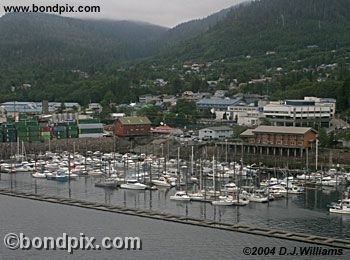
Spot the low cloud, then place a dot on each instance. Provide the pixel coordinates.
(163, 12)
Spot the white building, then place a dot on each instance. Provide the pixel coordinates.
(331, 102)
(249, 118)
(215, 132)
(299, 113)
(247, 115)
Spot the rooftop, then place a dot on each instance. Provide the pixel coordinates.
(278, 130)
(90, 126)
(219, 128)
(134, 120)
(218, 101)
(248, 132)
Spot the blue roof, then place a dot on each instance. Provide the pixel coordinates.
(328, 100)
(218, 101)
(300, 103)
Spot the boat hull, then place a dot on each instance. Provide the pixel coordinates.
(222, 203)
(161, 184)
(339, 211)
(179, 199)
(132, 187)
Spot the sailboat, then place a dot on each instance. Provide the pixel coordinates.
(198, 196)
(132, 184)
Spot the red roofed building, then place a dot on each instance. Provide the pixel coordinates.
(132, 126)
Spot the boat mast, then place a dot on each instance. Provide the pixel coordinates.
(200, 174)
(192, 161)
(214, 175)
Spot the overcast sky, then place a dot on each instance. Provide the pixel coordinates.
(163, 12)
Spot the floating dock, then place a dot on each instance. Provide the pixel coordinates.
(300, 237)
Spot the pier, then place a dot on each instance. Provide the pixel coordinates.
(300, 237)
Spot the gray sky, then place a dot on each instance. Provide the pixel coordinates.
(163, 12)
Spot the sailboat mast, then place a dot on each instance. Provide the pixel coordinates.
(192, 161)
(214, 174)
(200, 174)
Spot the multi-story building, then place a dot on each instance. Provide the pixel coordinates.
(249, 118)
(300, 113)
(244, 114)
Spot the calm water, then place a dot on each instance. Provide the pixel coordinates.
(306, 213)
(160, 239)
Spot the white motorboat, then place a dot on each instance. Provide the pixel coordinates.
(329, 181)
(194, 179)
(241, 202)
(294, 189)
(342, 207)
(180, 196)
(309, 177)
(133, 185)
(230, 187)
(277, 191)
(95, 173)
(5, 167)
(161, 182)
(196, 196)
(23, 168)
(223, 202)
(39, 175)
(230, 201)
(258, 198)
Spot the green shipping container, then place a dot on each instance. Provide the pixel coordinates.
(91, 131)
(88, 121)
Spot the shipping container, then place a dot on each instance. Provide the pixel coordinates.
(91, 131)
(88, 121)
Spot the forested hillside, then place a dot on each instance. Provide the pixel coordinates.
(28, 39)
(272, 25)
(303, 45)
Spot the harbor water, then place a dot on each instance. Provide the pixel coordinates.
(305, 213)
(160, 239)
